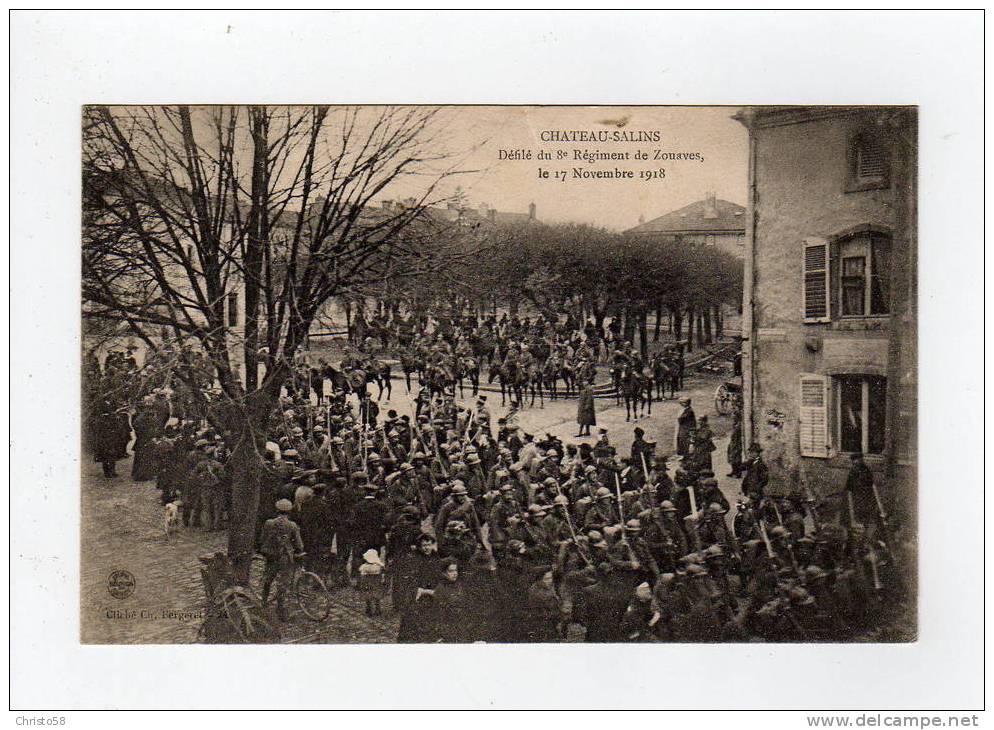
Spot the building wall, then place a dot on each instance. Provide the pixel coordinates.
(800, 177)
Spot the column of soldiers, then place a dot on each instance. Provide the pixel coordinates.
(489, 533)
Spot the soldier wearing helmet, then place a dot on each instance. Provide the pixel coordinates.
(459, 506)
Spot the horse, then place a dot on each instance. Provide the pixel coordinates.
(411, 362)
(483, 347)
(636, 389)
(379, 373)
(468, 367)
(439, 380)
(665, 372)
(509, 377)
(530, 380)
(339, 380)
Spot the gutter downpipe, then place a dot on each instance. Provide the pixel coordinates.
(746, 117)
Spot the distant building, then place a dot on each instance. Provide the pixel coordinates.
(830, 299)
(710, 222)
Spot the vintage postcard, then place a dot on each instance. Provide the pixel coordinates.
(502, 374)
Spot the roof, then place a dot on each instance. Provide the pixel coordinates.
(702, 216)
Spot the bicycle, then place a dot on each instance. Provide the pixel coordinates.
(234, 614)
(306, 589)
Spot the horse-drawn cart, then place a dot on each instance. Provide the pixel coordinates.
(728, 396)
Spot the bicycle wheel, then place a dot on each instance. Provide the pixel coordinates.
(312, 596)
(248, 618)
(256, 573)
(721, 400)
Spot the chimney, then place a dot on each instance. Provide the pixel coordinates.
(531, 211)
(641, 219)
(710, 206)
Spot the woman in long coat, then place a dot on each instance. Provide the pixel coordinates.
(415, 573)
(585, 415)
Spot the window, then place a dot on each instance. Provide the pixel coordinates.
(869, 162)
(861, 406)
(864, 276)
(849, 278)
(233, 309)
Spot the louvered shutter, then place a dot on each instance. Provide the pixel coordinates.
(817, 307)
(813, 415)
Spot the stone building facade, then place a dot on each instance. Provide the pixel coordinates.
(830, 297)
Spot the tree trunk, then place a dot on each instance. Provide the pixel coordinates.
(643, 333)
(676, 323)
(706, 315)
(659, 321)
(247, 441)
(690, 329)
(719, 322)
(628, 329)
(700, 329)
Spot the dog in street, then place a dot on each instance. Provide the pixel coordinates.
(171, 517)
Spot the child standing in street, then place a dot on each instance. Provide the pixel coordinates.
(372, 581)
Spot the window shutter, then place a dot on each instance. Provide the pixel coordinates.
(813, 415)
(817, 306)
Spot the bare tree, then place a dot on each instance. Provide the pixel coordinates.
(183, 206)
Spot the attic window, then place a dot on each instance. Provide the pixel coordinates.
(869, 162)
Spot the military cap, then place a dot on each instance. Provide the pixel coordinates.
(715, 509)
(360, 475)
(516, 546)
(552, 453)
(596, 539)
(800, 596)
(550, 482)
(714, 551)
(202, 443)
(667, 506)
(458, 487)
(418, 455)
(290, 454)
(814, 572)
(406, 467)
(694, 569)
(779, 531)
(536, 509)
(337, 440)
(561, 500)
(319, 429)
(455, 526)
(603, 493)
(284, 505)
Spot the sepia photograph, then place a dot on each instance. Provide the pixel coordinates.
(460, 374)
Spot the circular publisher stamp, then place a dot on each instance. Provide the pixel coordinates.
(121, 584)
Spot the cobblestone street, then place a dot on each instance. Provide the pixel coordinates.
(122, 529)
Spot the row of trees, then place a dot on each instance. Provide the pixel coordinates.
(593, 273)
